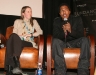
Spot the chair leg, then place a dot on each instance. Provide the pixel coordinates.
(35, 72)
(95, 71)
(53, 72)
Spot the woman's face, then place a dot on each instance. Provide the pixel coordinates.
(27, 14)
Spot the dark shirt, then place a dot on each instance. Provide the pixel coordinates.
(77, 29)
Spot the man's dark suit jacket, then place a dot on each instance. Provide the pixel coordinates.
(77, 29)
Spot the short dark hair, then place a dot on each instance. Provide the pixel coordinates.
(63, 4)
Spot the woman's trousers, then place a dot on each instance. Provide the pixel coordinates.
(14, 47)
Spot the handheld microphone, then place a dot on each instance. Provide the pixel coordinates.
(65, 22)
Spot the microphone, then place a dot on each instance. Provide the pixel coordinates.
(65, 22)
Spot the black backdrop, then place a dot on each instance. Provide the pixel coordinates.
(87, 10)
(50, 11)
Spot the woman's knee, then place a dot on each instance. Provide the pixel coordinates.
(13, 35)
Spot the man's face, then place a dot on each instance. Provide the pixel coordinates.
(64, 12)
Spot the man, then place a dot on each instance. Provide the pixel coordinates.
(70, 34)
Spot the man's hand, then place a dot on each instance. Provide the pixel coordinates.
(67, 27)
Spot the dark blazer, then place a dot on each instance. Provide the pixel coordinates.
(77, 29)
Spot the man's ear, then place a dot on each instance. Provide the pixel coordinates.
(59, 13)
(69, 12)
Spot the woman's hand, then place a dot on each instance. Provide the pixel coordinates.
(22, 35)
(28, 35)
(25, 36)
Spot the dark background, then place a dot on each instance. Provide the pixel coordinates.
(50, 11)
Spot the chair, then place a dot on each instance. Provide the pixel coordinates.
(71, 56)
(29, 57)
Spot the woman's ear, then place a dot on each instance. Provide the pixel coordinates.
(22, 14)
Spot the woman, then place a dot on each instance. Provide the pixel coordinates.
(23, 35)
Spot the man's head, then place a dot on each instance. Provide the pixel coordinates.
(64, 11)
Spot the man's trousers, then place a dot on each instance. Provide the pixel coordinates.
(84, 60)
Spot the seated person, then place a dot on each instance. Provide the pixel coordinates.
(22, 36)
(69, 34)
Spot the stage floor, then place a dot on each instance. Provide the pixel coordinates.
(32, 72)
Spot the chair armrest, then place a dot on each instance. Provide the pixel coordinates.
(41, 48)
(49, 41)
(92, 50)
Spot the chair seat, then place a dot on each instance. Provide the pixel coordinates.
(28, 58)
(71, 56)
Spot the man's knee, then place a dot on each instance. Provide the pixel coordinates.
(85, 40)
(56, 41)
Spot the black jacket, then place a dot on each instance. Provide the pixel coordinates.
(77, 29)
